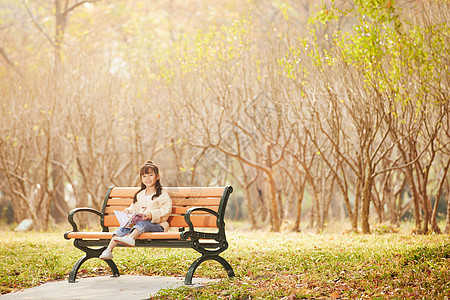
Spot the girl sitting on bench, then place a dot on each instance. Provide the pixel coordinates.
(151, 200)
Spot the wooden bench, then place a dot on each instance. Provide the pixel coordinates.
(193, 208)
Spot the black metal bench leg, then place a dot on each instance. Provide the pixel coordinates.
(76, 267)
(200, 260)
(113, 267)
(91, 253)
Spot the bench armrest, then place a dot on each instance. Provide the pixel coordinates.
(82, 209)
(195, 236)
(191, 233)
(187, 216)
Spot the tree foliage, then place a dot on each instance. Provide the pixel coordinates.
(319, 113)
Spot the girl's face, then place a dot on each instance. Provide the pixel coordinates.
(149, 179)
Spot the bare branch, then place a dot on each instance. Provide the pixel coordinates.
(35, 21)
(76, 4)
(5, 56)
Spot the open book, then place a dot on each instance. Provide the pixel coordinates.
(128, 220)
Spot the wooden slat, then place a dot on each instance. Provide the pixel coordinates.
(174, 192)
(182, 199)
(198, 221)
(178, 210)
(174, 221)
(196, 202)
(111, 209)
(119, 202)
(196, 192)
(159, 235)
(110, 221)
(121, 192)
(108, 235)
(175, 202)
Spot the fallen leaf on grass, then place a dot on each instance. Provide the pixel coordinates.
(334, 295)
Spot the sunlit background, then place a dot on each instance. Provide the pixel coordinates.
(319, 116)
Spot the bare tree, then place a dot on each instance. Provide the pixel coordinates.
(27, 141)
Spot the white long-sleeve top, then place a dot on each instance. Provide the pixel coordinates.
(160, 207)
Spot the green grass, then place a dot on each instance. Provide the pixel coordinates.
(267, 265)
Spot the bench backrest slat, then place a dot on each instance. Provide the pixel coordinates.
(178, 210)
(174, 192)
(175, 201)
(183, 198)
(174, 221)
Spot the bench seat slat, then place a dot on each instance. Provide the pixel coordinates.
(108, 235)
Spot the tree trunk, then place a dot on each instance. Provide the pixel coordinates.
(274, 209)
(367, 195)
(447, 220)
(357, 202)
(237, 210)
(434, 225)
(262, 204)
(327, 200)
(390, 202)
(298, 216)
(250, 209)
(59, 208)
(317, 214)
(415, 195)
(379, 207)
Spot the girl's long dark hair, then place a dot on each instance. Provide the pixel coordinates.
(149, 165)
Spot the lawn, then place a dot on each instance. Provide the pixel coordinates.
(267, 265)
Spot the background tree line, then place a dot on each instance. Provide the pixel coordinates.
(318, 113)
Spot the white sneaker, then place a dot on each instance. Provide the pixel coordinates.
(126, 241)
(107, 254)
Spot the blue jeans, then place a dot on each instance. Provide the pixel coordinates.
(142, 226)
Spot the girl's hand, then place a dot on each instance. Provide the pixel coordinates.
(143, 212)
